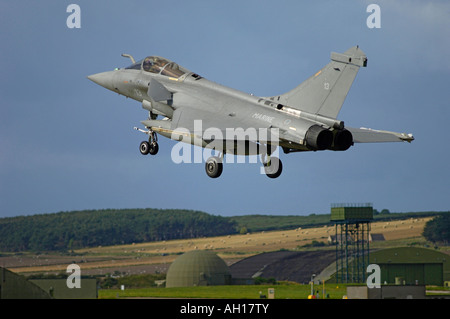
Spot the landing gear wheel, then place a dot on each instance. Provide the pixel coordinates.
(273, 167)
(214, 167)
(154, 148)
(144, 148)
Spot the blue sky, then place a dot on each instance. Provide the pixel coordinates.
(68, 144)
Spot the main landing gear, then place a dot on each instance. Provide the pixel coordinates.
(272, 166)
(214, 166)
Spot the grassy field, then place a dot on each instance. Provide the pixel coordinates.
(257, 223)
(283, 291)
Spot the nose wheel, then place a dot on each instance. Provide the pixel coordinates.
(148, 148)
(151, 147)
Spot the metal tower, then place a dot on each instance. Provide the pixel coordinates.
(352, 227)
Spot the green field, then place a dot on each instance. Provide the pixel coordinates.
(282, 291)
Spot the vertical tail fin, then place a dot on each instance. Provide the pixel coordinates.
(325, 92)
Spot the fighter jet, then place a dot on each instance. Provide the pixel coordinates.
(186, 107)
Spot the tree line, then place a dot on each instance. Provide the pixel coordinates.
(66, 231)
(438, 229)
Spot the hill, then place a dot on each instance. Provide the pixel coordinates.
(255, 223)
(66, 231)
(73, 230)
(156, 256)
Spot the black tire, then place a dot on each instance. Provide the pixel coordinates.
(144, 148)
(154, 148)
(274, 168)
(214, 167)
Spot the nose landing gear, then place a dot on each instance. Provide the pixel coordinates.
(148, 148)
(151, 147)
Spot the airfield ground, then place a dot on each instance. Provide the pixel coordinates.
(156, 257)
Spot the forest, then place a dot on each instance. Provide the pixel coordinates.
(438, 229)
(66, 231)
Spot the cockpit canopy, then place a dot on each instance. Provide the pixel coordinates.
(158, 65)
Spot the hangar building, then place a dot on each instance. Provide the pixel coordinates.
(198, 268)
(14, 286)
(412, 266)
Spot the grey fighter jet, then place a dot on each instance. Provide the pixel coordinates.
(186, 107)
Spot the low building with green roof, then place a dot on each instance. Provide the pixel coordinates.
(412, 266)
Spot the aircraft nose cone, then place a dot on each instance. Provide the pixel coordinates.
(104, 79)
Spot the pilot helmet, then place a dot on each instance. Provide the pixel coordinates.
(147, 64)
